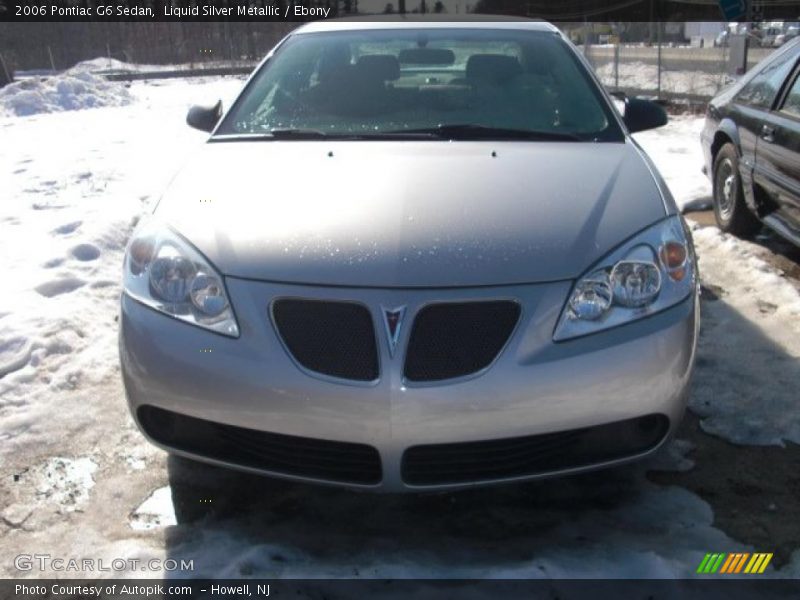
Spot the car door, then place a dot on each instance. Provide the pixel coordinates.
(752, 104)
(777, 166)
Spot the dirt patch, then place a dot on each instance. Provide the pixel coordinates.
(703, 217)
(752, 489)
(779, 252)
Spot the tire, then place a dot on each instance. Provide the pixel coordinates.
(730, 210)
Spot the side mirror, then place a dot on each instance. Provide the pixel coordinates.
(641, 115)
(204, 118)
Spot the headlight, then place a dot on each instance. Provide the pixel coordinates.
(166, 273)
(647, 274)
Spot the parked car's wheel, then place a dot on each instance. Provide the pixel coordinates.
(730, 210)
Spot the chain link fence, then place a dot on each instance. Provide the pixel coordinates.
(679, 73)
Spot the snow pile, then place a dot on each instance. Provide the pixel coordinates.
(106, 65)
(75, 89)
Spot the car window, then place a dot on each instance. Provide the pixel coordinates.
(791, 104)
(388, 81)
(762, 89)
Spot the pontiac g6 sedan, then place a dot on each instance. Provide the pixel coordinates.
(413, 256)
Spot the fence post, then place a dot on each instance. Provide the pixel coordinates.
(658, 34)
(616, 66)
(586, 45)
(5, 69)
(52, 62)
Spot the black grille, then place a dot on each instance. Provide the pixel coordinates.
(333, 338)
(287, 454)
(439, 464)
(454, 339)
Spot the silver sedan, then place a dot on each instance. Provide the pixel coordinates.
(414, 256)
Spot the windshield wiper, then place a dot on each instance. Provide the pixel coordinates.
(311, 134)
(317, 134)
(468, 131)
(465, 131)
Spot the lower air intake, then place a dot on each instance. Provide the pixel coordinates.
(439, 464)
(343, 462)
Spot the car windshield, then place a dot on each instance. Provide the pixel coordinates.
(437, 82)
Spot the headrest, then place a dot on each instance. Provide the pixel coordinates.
(334, 62)
(380, 67)
(427, 56)
(496, 68)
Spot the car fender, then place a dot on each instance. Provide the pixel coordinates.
(729, 129)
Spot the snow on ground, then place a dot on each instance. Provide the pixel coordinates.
(106, 65)
(525, 532)
(755, 321)
(156, 511)
(642, 76)
(749, 353)
(72, 185)
(677, 152)
(102, 64)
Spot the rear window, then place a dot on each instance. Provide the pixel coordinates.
(384, 81)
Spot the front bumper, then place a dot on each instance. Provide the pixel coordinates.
(534, 387)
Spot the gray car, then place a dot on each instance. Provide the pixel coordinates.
(414, 256)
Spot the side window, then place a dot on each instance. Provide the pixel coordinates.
(761, 90)
(791, 104)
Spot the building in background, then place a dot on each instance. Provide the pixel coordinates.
(704, 34)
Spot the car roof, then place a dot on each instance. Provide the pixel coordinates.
(426, 21)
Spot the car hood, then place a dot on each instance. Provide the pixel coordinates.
(409, 214)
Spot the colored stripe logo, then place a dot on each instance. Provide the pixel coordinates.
(734, 562)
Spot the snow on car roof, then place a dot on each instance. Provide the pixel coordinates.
(433, 22)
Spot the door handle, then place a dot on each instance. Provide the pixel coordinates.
(768, 133)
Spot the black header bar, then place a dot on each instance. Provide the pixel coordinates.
(721, 588)
(305, 10)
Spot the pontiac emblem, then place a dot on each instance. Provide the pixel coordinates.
(393, 321)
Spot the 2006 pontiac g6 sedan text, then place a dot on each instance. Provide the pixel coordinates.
(414, 256)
